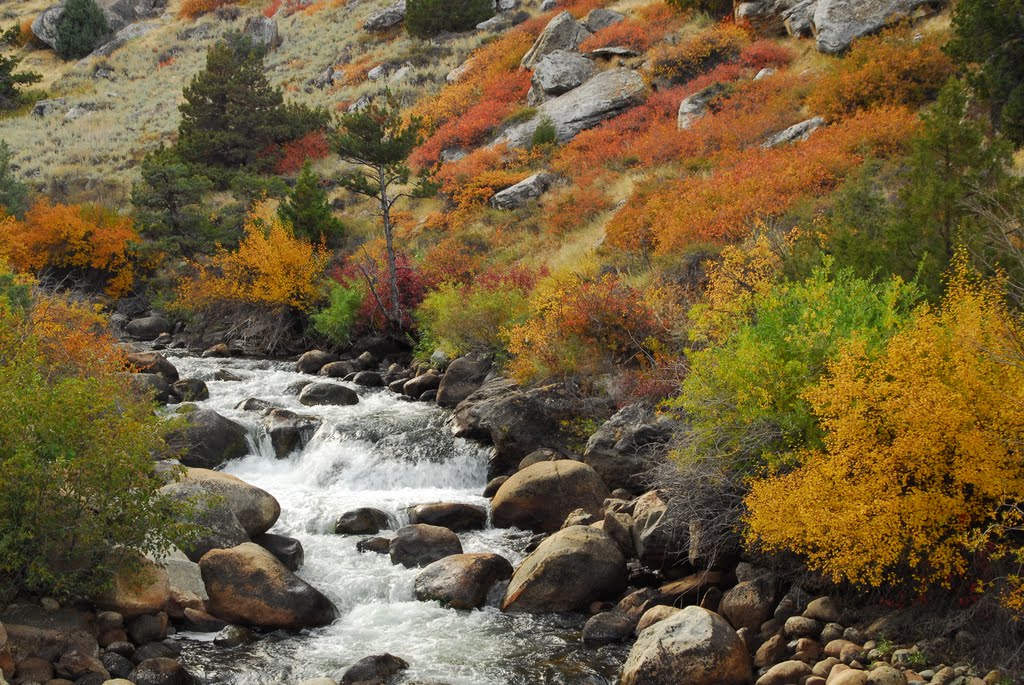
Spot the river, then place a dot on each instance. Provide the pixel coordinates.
(389, 454)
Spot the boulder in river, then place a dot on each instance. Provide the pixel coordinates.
(362, 521)
(152, 362)
(693, 646)
(314, 360)
(288, 431)
(287, 550)
(379, 668)
(248, 585)
(568, 571)
(316, 394)
(421, 544)
(541, 496)
(191, 390)
(205, 439)
(462, 581)
(457, 516)
(148, 327)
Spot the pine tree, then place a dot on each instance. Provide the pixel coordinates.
(13, 193)
(82, 28)
(168, 206)
(306, 208)
(11, 80)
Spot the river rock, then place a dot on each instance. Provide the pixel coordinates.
(339, 369)
(619, 450)
(694, 646)
(657, 538)
(369, 379)
(463, 377)
(314, 360)
(191, 390)
(34, 631)
(362, 521)
(462, 581)
(231, 509)
(606, 628)
(75, 665)
(419, 385)
(521, 193)
(154, 388)
(541, 496)
(248, 585)
(559, 72)
(205, 439)
(160, 671)
(655, 614)
(137, 592)
(35, 670)
(562, 33)
(152, 362)
(568, 571)
(387, 18)
(421, 544)
(369, 670)
(377, 545)
(456, 516)
(493, 485)
(784, 673)
(838, 23)
(695, 106)
(287, 550)
(288, 431)
(750, 603)
(604, 96)
(148, 327)
(316, 394)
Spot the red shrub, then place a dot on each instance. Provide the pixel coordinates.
(293, 155)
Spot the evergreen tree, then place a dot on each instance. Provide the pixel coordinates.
(232, 115)
(82, 28)
(168, 207)
(12, 80)
(425, 18)
(306, 208)
(13, 193)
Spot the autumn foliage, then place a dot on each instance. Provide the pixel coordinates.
(191, 9)
(696, 54)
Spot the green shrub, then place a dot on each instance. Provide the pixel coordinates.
(82, 28)
(425, 18)
(716, 8)
(335, 322)
(461, 319)
(544, 134)
(13, 193)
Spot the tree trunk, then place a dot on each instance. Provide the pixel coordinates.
(395, 315)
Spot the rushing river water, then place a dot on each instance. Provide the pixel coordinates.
(388, 454)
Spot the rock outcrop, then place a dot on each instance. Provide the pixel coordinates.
(387, 18)
(527, 190)
(558, 73)
(562, 33)
(837, 23)
(619, 450)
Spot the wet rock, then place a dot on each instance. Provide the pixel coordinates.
(694, 646)
(567, 572)
(233, 636)
(248, 585)
(606, 628)
(156, 650)
(206, 439)
(462, 581)
(362, 521)
(376, 545)
(226, 376)
(314, 360)
(152, 362)
(455, 516)
(527, 190)
(421, 544)
(491, 489)
(463, 377)
(147, 628)
(562, 33)
(339, 369)
(316, 394)
(148, 328)
(374, 669)
(541, 496)
(160, 671)
(618, 451)
(287, 550)
(202, 622)
(191, 390)
(369, 379)
(415, 387)
(288, 431)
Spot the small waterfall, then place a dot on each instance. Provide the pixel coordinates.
(388, 454)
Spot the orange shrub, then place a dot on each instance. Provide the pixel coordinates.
(573, 207)
(625, 34)
(756, 183)
(892, 68)
(688, 58)
(88, 239)
(190, 9)
(765, 53)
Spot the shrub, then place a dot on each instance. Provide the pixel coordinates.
(699, 53)
(921, 455)
(12, 80)
(294, 154)
(625, 34)
(13, 193)
(81, 29)
(191, 9)
(424, 18)
(81, 497)
(717, 8)
(337, 321)
(308, 212)
(893, 68)
(544, 134)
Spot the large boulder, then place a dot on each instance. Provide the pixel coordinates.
(421, 544)
(540, 496)
(462, 581)
(569, 570)
(148, 327)
(316, 394)
(618, 450)
(34, 631)
(838, 23)
(314, 360)
(750, 603)
(288, 431)
(248, 585)
(456, 516)
(518, 422)
(138, 591)
(604, 96)
(152, 362)
(230, 510)
(658, 538)
(160, 671)
(262, 31)
(463, 377)
(558, 73)
(562, 33)
(387, 18)
(362, 521)
(527, 190)
(206, 439)
(287, 550)
(693, 646)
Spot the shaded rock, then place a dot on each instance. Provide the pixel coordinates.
(491, 489)
(567, 572)
(690, 589)
(206, 439)
(462, 581)
(35, 670)
(541, 496)
(369, 379)
(602, 18)
(799, 19)
(784, 673)
(339, 369)
(537, 456)
(191, 390)
(558, 73)
(316, 394)
(463, 377)
(154, 387)
(248, 585)
(377, 545)
(136, 593)
(314, 360)
(33, 631)
(285, 549)
(658, 541)
(749, 604)
(262, 31)
(602, 97)
(697, 105)
(374, 669)
(694, 646)
(562, 33)
(521, 193)
(619, 449)
(606, 628)
(456, 516)
(387, 18)
(152, 362)
(823, 609)
(655, 614)
(288, 431)
(255, 404)
(838, 23)
(160, 671)
(74, 665)
(203, 622)
(233, 636)
(421, 544)
(148, 328)
(362, 521)
(415, 387)
(794, 133)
